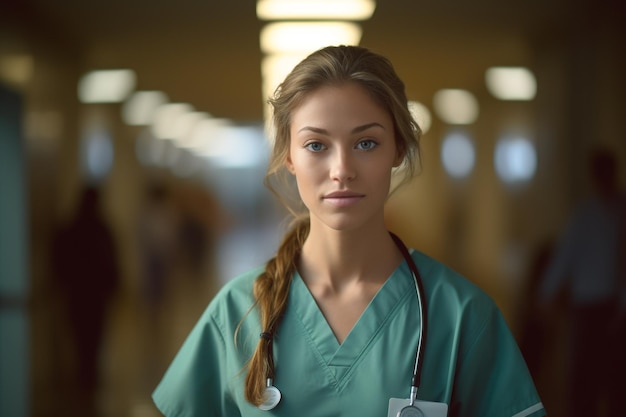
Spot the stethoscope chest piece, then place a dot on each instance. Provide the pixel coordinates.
(410, 411)
(271, 396)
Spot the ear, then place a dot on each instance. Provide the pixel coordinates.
(289, 165)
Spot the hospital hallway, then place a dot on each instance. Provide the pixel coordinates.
(140, 338)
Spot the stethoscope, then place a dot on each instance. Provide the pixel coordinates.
(272, 395)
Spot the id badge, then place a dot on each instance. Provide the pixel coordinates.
(426, 408)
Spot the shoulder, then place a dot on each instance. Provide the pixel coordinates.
(231, 306)
(441, 281)
(454, 302)
(190, 386)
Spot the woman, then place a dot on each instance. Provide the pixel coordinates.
(332, 324)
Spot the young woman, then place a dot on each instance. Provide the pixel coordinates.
(344, 321)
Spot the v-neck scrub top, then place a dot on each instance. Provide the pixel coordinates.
(471, 360)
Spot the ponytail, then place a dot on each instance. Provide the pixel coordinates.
(271, 291)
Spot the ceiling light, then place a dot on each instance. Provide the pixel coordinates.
(184, 126)
(455, 106)
(298, 37)
(511, 83)
(205, 131)
(106, 86)
(274, 69)
(139, 109)
(164, 124)
(315, 9)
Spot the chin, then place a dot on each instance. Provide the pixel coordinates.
(344, 223)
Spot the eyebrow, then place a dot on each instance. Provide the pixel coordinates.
(357, 129)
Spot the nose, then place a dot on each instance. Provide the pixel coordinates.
(343, 167)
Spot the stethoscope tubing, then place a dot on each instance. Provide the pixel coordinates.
(419, 355)
(421, 299)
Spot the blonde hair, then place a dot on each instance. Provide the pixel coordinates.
(335, 65)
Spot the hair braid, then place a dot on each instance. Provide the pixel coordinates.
(271, 291)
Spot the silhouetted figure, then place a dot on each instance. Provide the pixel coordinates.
(158, 227)
(535, 335)
(86, 270)
(588, 266)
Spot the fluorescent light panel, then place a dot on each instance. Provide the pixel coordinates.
(164, 124)
(139, 109)
(511, 83)
(456, 106)
(203, 131)
(274, 69)
(315, 9)
(106, 86)
(299, 37)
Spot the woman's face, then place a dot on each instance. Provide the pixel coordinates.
(342, 152)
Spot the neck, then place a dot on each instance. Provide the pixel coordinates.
(338, 258)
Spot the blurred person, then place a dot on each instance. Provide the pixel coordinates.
(203, 221)
(195, 240)
(86, 271)
(345, 320)
(535, 335)
(588, 266)
(158, 235)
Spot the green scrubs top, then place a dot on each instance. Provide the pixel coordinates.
(471, 361)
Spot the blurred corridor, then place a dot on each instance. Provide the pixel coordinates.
(141, 336)
(186, 208)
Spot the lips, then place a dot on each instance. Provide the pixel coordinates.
(343, 198)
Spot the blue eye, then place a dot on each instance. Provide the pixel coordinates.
(366, 144)
(314, 147)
